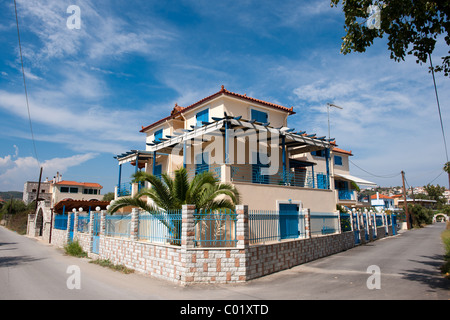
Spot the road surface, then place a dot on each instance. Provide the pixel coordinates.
(408, 265)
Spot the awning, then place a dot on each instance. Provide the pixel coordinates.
(357, 180)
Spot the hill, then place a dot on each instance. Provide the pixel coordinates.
(6, 195)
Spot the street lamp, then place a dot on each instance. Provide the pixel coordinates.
(328, 110)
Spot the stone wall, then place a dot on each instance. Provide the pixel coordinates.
(186, 264)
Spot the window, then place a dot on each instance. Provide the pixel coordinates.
(338, 160)
(90, 191)
(64, 189)
(259, 116)
(158, 135)
(73, 190)
(202, 116)
(318, 153)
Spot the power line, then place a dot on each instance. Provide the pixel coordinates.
(378, 176)
(438, 105)
(25, 86)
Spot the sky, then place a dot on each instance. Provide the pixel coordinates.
(90, 90)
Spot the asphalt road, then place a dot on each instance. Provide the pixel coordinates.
(408, 265)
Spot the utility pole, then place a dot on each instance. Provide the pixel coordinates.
(38, 189)
(408, 224)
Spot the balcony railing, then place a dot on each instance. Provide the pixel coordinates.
(305, 179)
(346, 194)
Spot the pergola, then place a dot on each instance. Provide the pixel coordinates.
(290, 141)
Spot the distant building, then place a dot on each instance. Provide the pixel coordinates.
(72, 190)
(382, 202)
(30, 191)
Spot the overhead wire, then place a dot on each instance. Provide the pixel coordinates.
(25, 86)
(375, 175)
(438, 105)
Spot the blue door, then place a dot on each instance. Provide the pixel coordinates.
(72, 224)
(289, 217)
(96, 233)
(356, 229)
(394, 224)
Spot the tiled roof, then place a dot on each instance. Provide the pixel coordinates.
(178, 110)
(380, 196)
(79, 184)
(335, 149)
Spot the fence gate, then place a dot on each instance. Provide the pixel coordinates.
(71, 226)
(366, 228)
(96, 233)
(289, 217)
(394, 224)
(356, 229)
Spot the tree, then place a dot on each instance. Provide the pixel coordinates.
(108, 196)
(412, 27)
(204, 191)
(436, 193)
(447, 169)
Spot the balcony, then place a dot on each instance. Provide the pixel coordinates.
(304, 179)
(345, 194)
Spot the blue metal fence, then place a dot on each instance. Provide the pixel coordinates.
(345, 222)
(160, 226)
(323, 223)
(118, 225)
(253, 174)
(61, 221)
(271, 225)
(215, 228)
(83, 223)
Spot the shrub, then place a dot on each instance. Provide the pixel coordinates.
(445, 236)
(73, 248)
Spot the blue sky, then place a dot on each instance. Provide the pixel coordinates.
(91, 89)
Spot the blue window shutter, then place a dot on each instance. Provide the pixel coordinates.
(202, 116)
(338, 160)
(158, 134)
(259, 116)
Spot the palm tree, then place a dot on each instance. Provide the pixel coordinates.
(447, 169)
(168, 195)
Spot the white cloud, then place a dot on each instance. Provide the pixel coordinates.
(15, 171)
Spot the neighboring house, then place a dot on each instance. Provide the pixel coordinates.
(72, 190)
(30, 191)
(382, 202)
(39, 224)
(246, 142)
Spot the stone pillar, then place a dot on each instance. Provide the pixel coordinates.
(307, 213)
(102, 222)
(187, 229)
(91, 229)
(134, 227)
(75, 226)
(69, 218)
(187, 242)
(242, 231)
